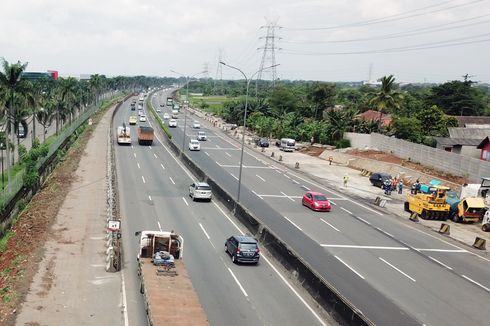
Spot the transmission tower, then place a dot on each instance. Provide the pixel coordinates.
(467, 79)
(269, 53)
(205, 69)
(219, 74)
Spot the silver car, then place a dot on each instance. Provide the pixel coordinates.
(200, 190)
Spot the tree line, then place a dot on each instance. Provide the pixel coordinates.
(307, 110)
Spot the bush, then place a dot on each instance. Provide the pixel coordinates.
(164, 127)
(342, 143)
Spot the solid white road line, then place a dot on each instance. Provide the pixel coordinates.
(143, 178)
(155, 155)
(293, 223)
(287, 196)
(363, 247)
(258, 176)
(256, 194)
(149, 197)
(360, 218)
(398, 270)
(228, 218)
(185, 201)
(159, 226)
(238, 282)
(352, 269)
(205, 233)
(171, 180)
(333, 227)
(124, 300)
(162, 166)
(346, 210)
(440, 263)
(294, 291)
(138, 165)
(441, 250)
(134, 154)
(228, 154)
(383, 231)
(475, 282)
(233, 176)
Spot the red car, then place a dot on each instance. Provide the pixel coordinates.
(316, 201)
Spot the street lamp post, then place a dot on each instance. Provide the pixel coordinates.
(187, 78)
(247, 81)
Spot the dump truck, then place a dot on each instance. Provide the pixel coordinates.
(429, 206)
(123, 135)
(145, 135)
(469, 209)
(167, 290)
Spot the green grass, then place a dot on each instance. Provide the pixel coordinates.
(4, 240)
(214, 103)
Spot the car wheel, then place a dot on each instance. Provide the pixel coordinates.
(226, 249)
(233, 259)
(311, 207)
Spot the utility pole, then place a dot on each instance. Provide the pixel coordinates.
(268, 54)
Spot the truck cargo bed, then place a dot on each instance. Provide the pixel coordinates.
(169, 297)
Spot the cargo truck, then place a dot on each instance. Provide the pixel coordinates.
(145, 135)
(470, 209)
(167, 290)
(123, 135)
(170, 101)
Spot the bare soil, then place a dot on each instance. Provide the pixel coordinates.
(390, 158)
(19, 262)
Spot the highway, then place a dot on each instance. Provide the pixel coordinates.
(394, 272)
(153, 194)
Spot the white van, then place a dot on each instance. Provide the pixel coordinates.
(288, 144)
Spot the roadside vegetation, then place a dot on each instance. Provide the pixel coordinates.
(323, 112)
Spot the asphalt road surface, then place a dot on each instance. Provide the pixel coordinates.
(395, 273)
(153, 194)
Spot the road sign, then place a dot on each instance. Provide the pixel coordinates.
(114, 225)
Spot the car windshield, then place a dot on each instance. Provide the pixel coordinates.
(194, 142)
(320, 197)
(248, 246)
(203, 188)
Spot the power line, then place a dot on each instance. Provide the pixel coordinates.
(386, 19)
(413, 32)
(424, 46)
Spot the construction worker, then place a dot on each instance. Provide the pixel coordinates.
(400, 187)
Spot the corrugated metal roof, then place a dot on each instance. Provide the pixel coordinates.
(471, 133)
(479, 120)
(446, 141)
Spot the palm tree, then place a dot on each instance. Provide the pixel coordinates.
(11, 80)
(45, 114)
(387, 99)
(96, 86)
(65, 99)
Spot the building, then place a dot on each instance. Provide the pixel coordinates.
(472, 121)
(375, 116)
(484, 147)
(34, 75)
(463, 146)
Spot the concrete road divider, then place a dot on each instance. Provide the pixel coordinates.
(414, 217)
(296, 166)
(480, 243)
(377, 200)
(444, 229)
(272, 154)
(280, 158)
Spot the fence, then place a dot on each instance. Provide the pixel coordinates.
(471, 168)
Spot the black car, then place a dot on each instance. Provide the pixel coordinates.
(378, 179)
(243, 249)
(263, 142)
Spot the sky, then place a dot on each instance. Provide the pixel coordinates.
(326, 40)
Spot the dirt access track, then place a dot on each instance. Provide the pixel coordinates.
(43, 242)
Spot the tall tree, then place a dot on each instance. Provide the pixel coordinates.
(457, 98)
(11, 80)
(387, 99)
(322, 96)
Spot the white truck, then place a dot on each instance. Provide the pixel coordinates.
(167, 290)
(287, 145)
(123, 135)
